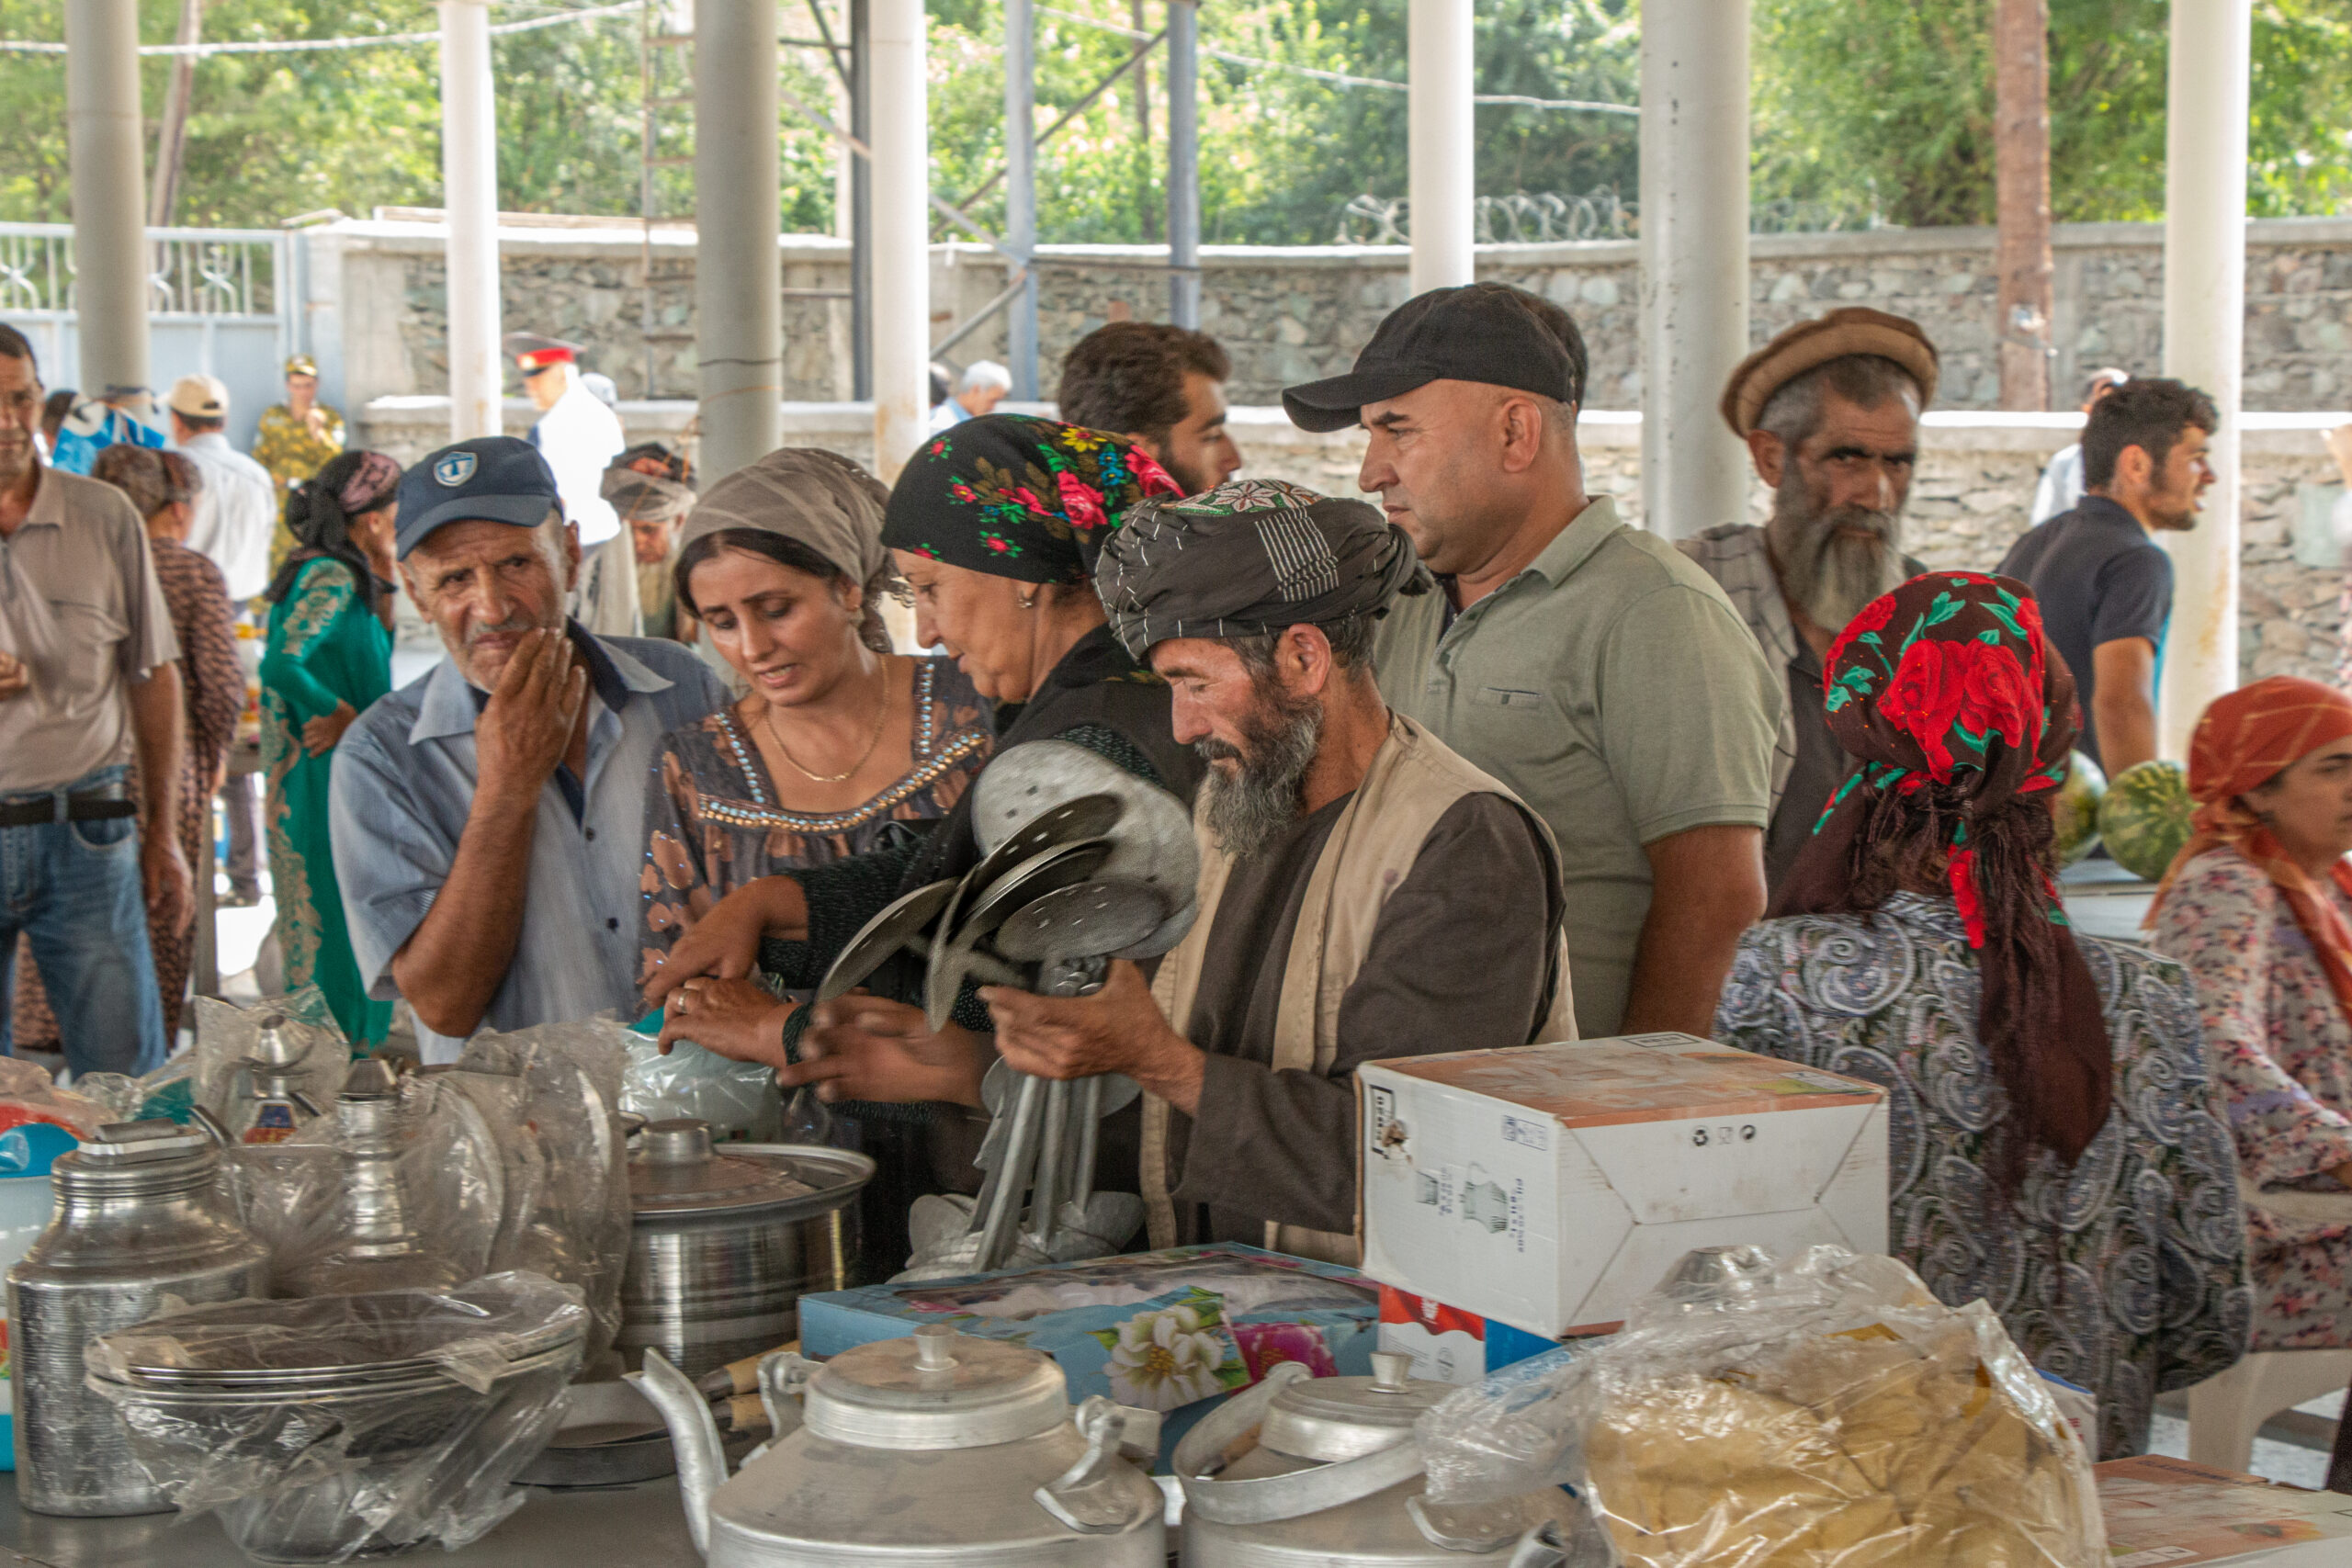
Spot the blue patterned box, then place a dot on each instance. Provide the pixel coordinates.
(1171, 1331)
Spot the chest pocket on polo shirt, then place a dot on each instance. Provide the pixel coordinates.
(1515, 698)
(88, 638)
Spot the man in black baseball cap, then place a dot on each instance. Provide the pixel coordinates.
(1588, 664)
(487, 817)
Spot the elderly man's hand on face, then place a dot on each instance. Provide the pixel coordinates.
(526, 726)
(861, 1047)
(1120, 1028)
(16, 678)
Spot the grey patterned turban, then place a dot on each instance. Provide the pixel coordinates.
(1249, 558)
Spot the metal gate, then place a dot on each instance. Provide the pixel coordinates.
(222, 302)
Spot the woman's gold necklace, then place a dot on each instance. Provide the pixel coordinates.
(881, 718)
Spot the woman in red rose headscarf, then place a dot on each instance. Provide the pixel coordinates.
(2054, 1147)
(996, 526)
(2257, 905)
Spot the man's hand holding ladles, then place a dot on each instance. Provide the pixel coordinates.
(1119, 1029)
(863, 1047)
(16, 678)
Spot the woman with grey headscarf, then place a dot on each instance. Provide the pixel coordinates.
(835, 737)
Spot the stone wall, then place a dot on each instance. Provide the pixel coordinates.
(1969, 501)
(1286, 315)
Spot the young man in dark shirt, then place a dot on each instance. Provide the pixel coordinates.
(2104, 582)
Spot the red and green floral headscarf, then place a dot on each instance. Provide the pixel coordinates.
(1962, 718)
(1020, 497)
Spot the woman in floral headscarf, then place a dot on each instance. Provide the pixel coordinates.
(329, 655)
(995, 526)
(2257, 906)
(2054, 1147)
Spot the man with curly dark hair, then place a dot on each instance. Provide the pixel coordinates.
(1161, 387)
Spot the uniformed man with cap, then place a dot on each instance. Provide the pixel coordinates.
(577, 433)
(1830, 412)
(487, 817)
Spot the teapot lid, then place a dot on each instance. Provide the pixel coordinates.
(1331, 1420)
(936, 1389)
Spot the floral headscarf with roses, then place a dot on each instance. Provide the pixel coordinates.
(1015, 496)
(1962, 717)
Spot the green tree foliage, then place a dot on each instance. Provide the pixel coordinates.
(1887, 107)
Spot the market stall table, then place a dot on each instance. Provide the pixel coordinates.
(615, 1527)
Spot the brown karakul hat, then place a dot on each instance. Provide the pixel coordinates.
(1856, 329)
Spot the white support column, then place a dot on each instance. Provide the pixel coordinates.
(901, 235)
(1440, 142)
(469, 198)
(1694, 260)
(1184, 163)
(110, 257)
(2205, 148)
(739, 300)
(1021, 191)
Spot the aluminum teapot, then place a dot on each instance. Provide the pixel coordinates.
(1334, 1480)
(936, 1450)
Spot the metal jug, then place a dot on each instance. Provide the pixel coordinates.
(272, 1108)
(1335, 1481)
(140, 1216)
(926, 1451)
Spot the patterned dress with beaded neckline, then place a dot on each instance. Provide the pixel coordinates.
(713, 821)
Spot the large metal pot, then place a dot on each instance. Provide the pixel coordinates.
(726, 1243)
(937, 1451)
(1335, 1481)
(141, 1215)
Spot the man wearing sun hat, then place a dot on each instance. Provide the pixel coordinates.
(1585, 663)
(1829, 411)
(487, 817)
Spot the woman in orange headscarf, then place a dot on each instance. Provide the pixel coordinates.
(2258, 906)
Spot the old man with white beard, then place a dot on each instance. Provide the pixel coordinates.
(1830, 412)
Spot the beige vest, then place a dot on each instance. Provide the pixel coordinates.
(1414, 780)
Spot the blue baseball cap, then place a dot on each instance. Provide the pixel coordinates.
(491, 479)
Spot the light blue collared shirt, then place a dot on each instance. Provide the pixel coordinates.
(404, 785)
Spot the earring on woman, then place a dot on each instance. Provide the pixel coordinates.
(1030, 603)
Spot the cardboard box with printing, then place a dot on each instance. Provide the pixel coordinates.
(1550, 1186)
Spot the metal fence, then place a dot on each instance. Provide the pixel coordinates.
(223, 302)
(1549, 215)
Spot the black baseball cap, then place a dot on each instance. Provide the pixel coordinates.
(1480, 332)
(491, 479)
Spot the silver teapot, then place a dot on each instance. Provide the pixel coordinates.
(931, 1450)
(1334, 1480)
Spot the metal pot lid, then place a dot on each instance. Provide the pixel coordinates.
(936, 1389)
(677, 1173)
(1335, 1419)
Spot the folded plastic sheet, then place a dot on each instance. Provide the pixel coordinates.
(334, 1467)
(1824, 1413)
(738, 1098)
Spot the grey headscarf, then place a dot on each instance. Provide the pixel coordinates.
(1248, 557)
(816, 498)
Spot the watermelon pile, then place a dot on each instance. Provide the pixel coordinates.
(2145, 818)
(2077, 809)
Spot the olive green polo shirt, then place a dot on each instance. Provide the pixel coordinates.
(1612, 685)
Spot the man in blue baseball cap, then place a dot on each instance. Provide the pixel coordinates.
(487, 817)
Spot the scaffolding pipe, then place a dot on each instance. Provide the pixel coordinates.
(2205, 152)
(739, 310)
(1441, 143)
(861, 216)
(1694, 260)
(1021, 192)
(470, 195)
(1184, 163)
(110, 253)
(901, 230)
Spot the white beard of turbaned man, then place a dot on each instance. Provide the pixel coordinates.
(1248, 809)
(1832, 560)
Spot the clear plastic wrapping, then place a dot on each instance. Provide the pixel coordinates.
(28, 1094)
(226, 1035)
(1824, 1413)
(325, 1428)
(738, 1098)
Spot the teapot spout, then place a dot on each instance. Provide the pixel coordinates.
(693, 1433)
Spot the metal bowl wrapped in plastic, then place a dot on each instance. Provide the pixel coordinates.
(338, 1426)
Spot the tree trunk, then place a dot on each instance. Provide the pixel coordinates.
(170, 135)
(2021, 165)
